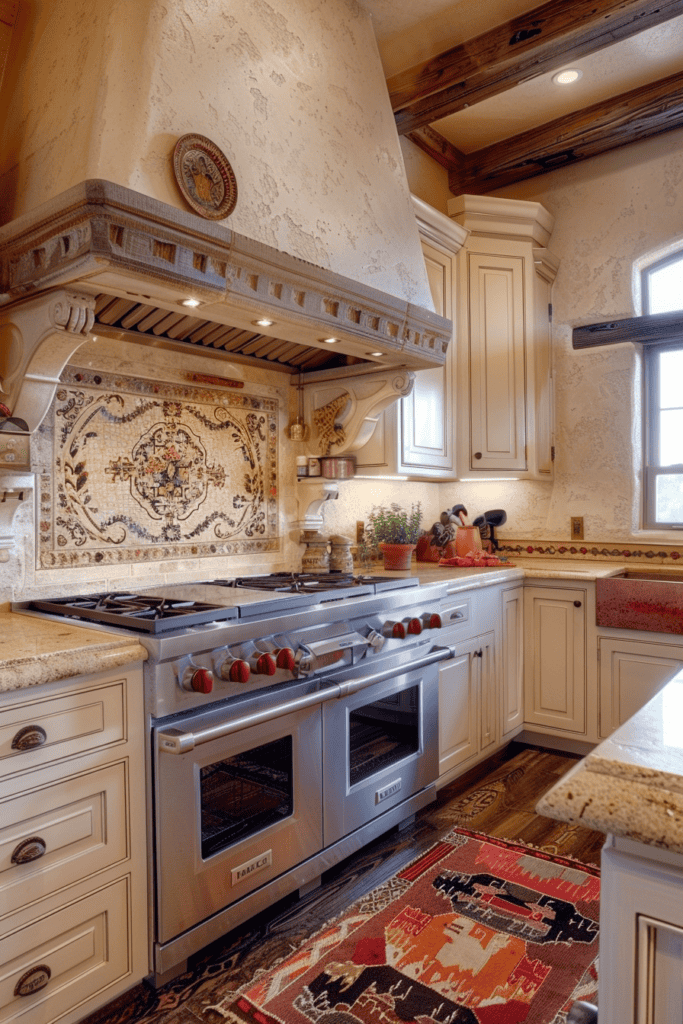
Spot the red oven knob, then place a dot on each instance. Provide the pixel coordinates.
(201, 681)
(263, 665)
(284, 658)
(431, 620)
(396, 630)
(413, 626)
(235, 671)
(239, 672)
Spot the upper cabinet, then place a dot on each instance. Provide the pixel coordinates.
(489, 410)
(417, 436)
(503, 317)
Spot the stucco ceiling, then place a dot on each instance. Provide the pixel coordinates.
(618, 80)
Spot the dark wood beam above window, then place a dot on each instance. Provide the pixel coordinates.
(651, 329)
(525, 47)
(631, 117)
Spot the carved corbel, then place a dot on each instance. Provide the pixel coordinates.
(37, 339)
(344, 411)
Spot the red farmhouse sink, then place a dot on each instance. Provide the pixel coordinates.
(640, 599)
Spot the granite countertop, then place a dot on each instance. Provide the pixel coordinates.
(631, 785)
(35, 650)
(519, 568)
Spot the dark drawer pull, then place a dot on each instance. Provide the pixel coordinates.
(577, 604)
(33, 980)
(28, 850)
(29, 737)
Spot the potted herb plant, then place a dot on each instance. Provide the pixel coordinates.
(394, 531)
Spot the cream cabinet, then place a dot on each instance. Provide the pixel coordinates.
(73, 878)
(416, 436)
(512, 661)
(555, 678)
(504, 359)
(467, 703)
(630, 673)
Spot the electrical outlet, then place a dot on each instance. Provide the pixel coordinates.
(577, 528)
(360, 530)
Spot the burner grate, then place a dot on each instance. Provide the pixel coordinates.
(134, 611)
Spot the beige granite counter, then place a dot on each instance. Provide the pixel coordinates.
(35, 650)
(631, 785)
(519, 568)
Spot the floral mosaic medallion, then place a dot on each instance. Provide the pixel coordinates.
(144, 470)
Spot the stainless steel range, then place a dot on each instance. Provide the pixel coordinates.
(292, 719)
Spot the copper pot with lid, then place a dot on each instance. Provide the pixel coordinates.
(338, 467)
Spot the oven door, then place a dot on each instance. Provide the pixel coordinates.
(380, 746)
(233, 813)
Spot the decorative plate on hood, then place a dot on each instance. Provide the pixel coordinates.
(205, 177)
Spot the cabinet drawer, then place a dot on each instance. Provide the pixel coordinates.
(80, 823)
(75, 723)
(456, 617)
(82, 948)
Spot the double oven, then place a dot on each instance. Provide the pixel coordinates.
(287, 728)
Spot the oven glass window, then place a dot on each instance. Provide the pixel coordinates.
(245, 794)
(383, 733)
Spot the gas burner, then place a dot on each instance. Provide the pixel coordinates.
(136, 611)
(310, 582)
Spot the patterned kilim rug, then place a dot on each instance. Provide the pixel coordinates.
(475, 931)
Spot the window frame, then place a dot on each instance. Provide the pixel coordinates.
(652, 469)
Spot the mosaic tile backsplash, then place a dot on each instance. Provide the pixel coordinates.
(143, 470)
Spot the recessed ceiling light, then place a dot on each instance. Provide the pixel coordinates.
(190, 302)
(330, 341)
(263, 323)
(567, 77)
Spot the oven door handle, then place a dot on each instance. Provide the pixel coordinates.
(176, 741)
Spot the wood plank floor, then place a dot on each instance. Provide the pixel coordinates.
(496, 798)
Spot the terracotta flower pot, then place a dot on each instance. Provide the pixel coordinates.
(397, 556)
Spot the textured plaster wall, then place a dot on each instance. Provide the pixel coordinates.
(291, 90)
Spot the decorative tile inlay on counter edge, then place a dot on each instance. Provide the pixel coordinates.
(651, 554)
(140, 470)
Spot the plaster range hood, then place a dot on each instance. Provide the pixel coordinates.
(103, 261)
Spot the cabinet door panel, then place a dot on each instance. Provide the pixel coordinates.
(488, 704)
(426, 418)
(555, 658)
(497, 363)
(457, 711)
(631, 672)
(513, 660)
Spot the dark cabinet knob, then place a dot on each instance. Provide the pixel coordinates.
(577, 604)
(477, 455)
(33, 980)
(29, 737)
(28, 850)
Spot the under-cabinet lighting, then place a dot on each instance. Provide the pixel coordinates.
(378, 476)
(377, 355)
(330, 341)
(263, 323)
(190, 302)
(567, 77)
(487, 480)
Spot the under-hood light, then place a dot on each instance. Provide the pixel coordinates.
(190, 302)
(376, 355)
(263, 323)
(330, 341)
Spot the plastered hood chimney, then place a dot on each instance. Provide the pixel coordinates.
(98, 238)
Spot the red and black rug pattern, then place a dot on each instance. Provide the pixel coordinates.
(475, 931)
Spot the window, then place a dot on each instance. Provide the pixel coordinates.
(662, 291)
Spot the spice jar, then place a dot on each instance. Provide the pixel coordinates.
(313, 466)
(301, 466)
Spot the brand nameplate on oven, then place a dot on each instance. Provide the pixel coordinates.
(250, 867)
(391, 790)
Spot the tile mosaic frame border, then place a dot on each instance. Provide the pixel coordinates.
(254, 421)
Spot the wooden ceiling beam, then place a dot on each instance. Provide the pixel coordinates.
(523, 48)
(437, 147)
(631, 117)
